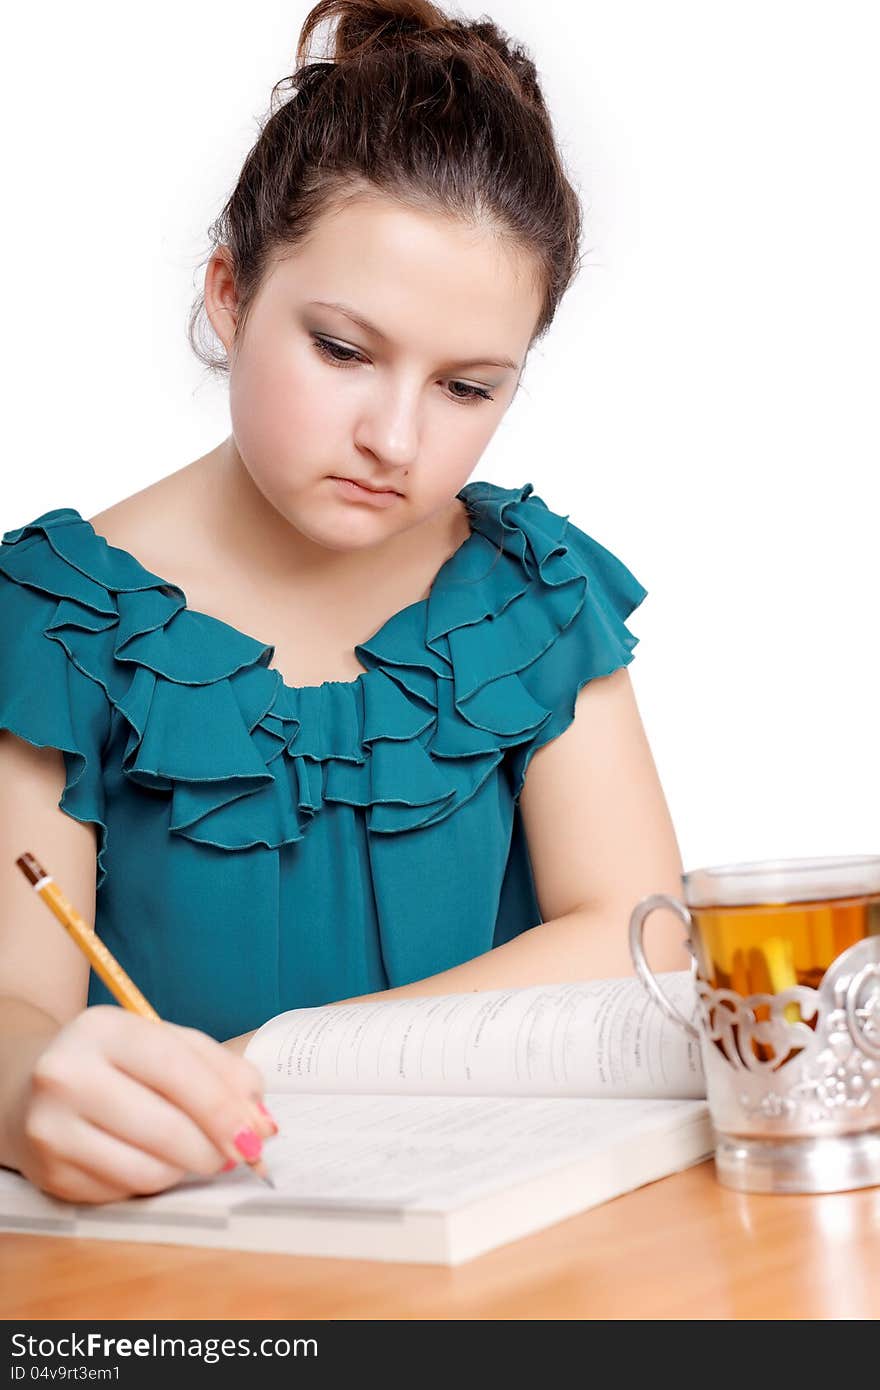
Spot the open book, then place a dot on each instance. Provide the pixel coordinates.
(435, 1128)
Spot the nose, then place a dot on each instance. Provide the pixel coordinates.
(389, 428)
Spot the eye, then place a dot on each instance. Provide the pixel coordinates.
(330, 350)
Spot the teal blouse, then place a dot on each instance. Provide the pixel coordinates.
(263, 847)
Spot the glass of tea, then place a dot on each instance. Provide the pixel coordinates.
(786, 964)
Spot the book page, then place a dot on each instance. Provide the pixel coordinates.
(441, 1152)
(602, 1038)
(382, 1155)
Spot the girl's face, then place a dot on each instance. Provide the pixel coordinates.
(406, 405)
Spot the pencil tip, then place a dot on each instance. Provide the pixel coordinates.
(259, 1169)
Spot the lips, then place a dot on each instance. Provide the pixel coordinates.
(368, 488)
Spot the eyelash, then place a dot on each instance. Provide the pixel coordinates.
(325, 347)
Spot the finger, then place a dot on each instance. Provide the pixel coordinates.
(238, 1071)
(76, 1156)
(154, 1056)
(69, 1183)
(121, 1106)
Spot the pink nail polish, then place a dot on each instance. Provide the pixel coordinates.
(249, 1144)
(227, 1167)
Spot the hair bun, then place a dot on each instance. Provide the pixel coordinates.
(365, 28)
(515, 57)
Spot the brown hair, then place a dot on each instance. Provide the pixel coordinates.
(438, 114)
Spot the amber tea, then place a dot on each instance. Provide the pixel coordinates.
(764, 948)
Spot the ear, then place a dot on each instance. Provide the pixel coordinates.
(221, 298)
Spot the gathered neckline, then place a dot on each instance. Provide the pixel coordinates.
(269, 647)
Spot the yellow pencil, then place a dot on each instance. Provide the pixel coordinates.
(105, 963)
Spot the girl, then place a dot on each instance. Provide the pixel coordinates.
(327, 720)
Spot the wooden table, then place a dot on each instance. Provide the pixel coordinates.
(684, 1247)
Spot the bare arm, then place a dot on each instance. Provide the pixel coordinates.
(43, 977)
(95, 1103)
(600, 837)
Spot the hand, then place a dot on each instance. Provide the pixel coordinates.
(117, 1105)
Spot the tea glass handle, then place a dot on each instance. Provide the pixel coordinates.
(640, 914)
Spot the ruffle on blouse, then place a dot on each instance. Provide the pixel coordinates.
(451, 682)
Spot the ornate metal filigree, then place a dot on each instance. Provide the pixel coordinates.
(732, 1021)
(809, 1065)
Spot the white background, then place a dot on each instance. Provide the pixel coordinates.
(705, 404)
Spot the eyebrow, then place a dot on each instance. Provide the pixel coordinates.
(368, 327)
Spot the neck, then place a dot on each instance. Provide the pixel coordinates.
(237, 520)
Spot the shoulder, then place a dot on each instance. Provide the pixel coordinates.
(540, 535)
(152, 524)
(51, 610)
(556, 604)
(551, 573)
